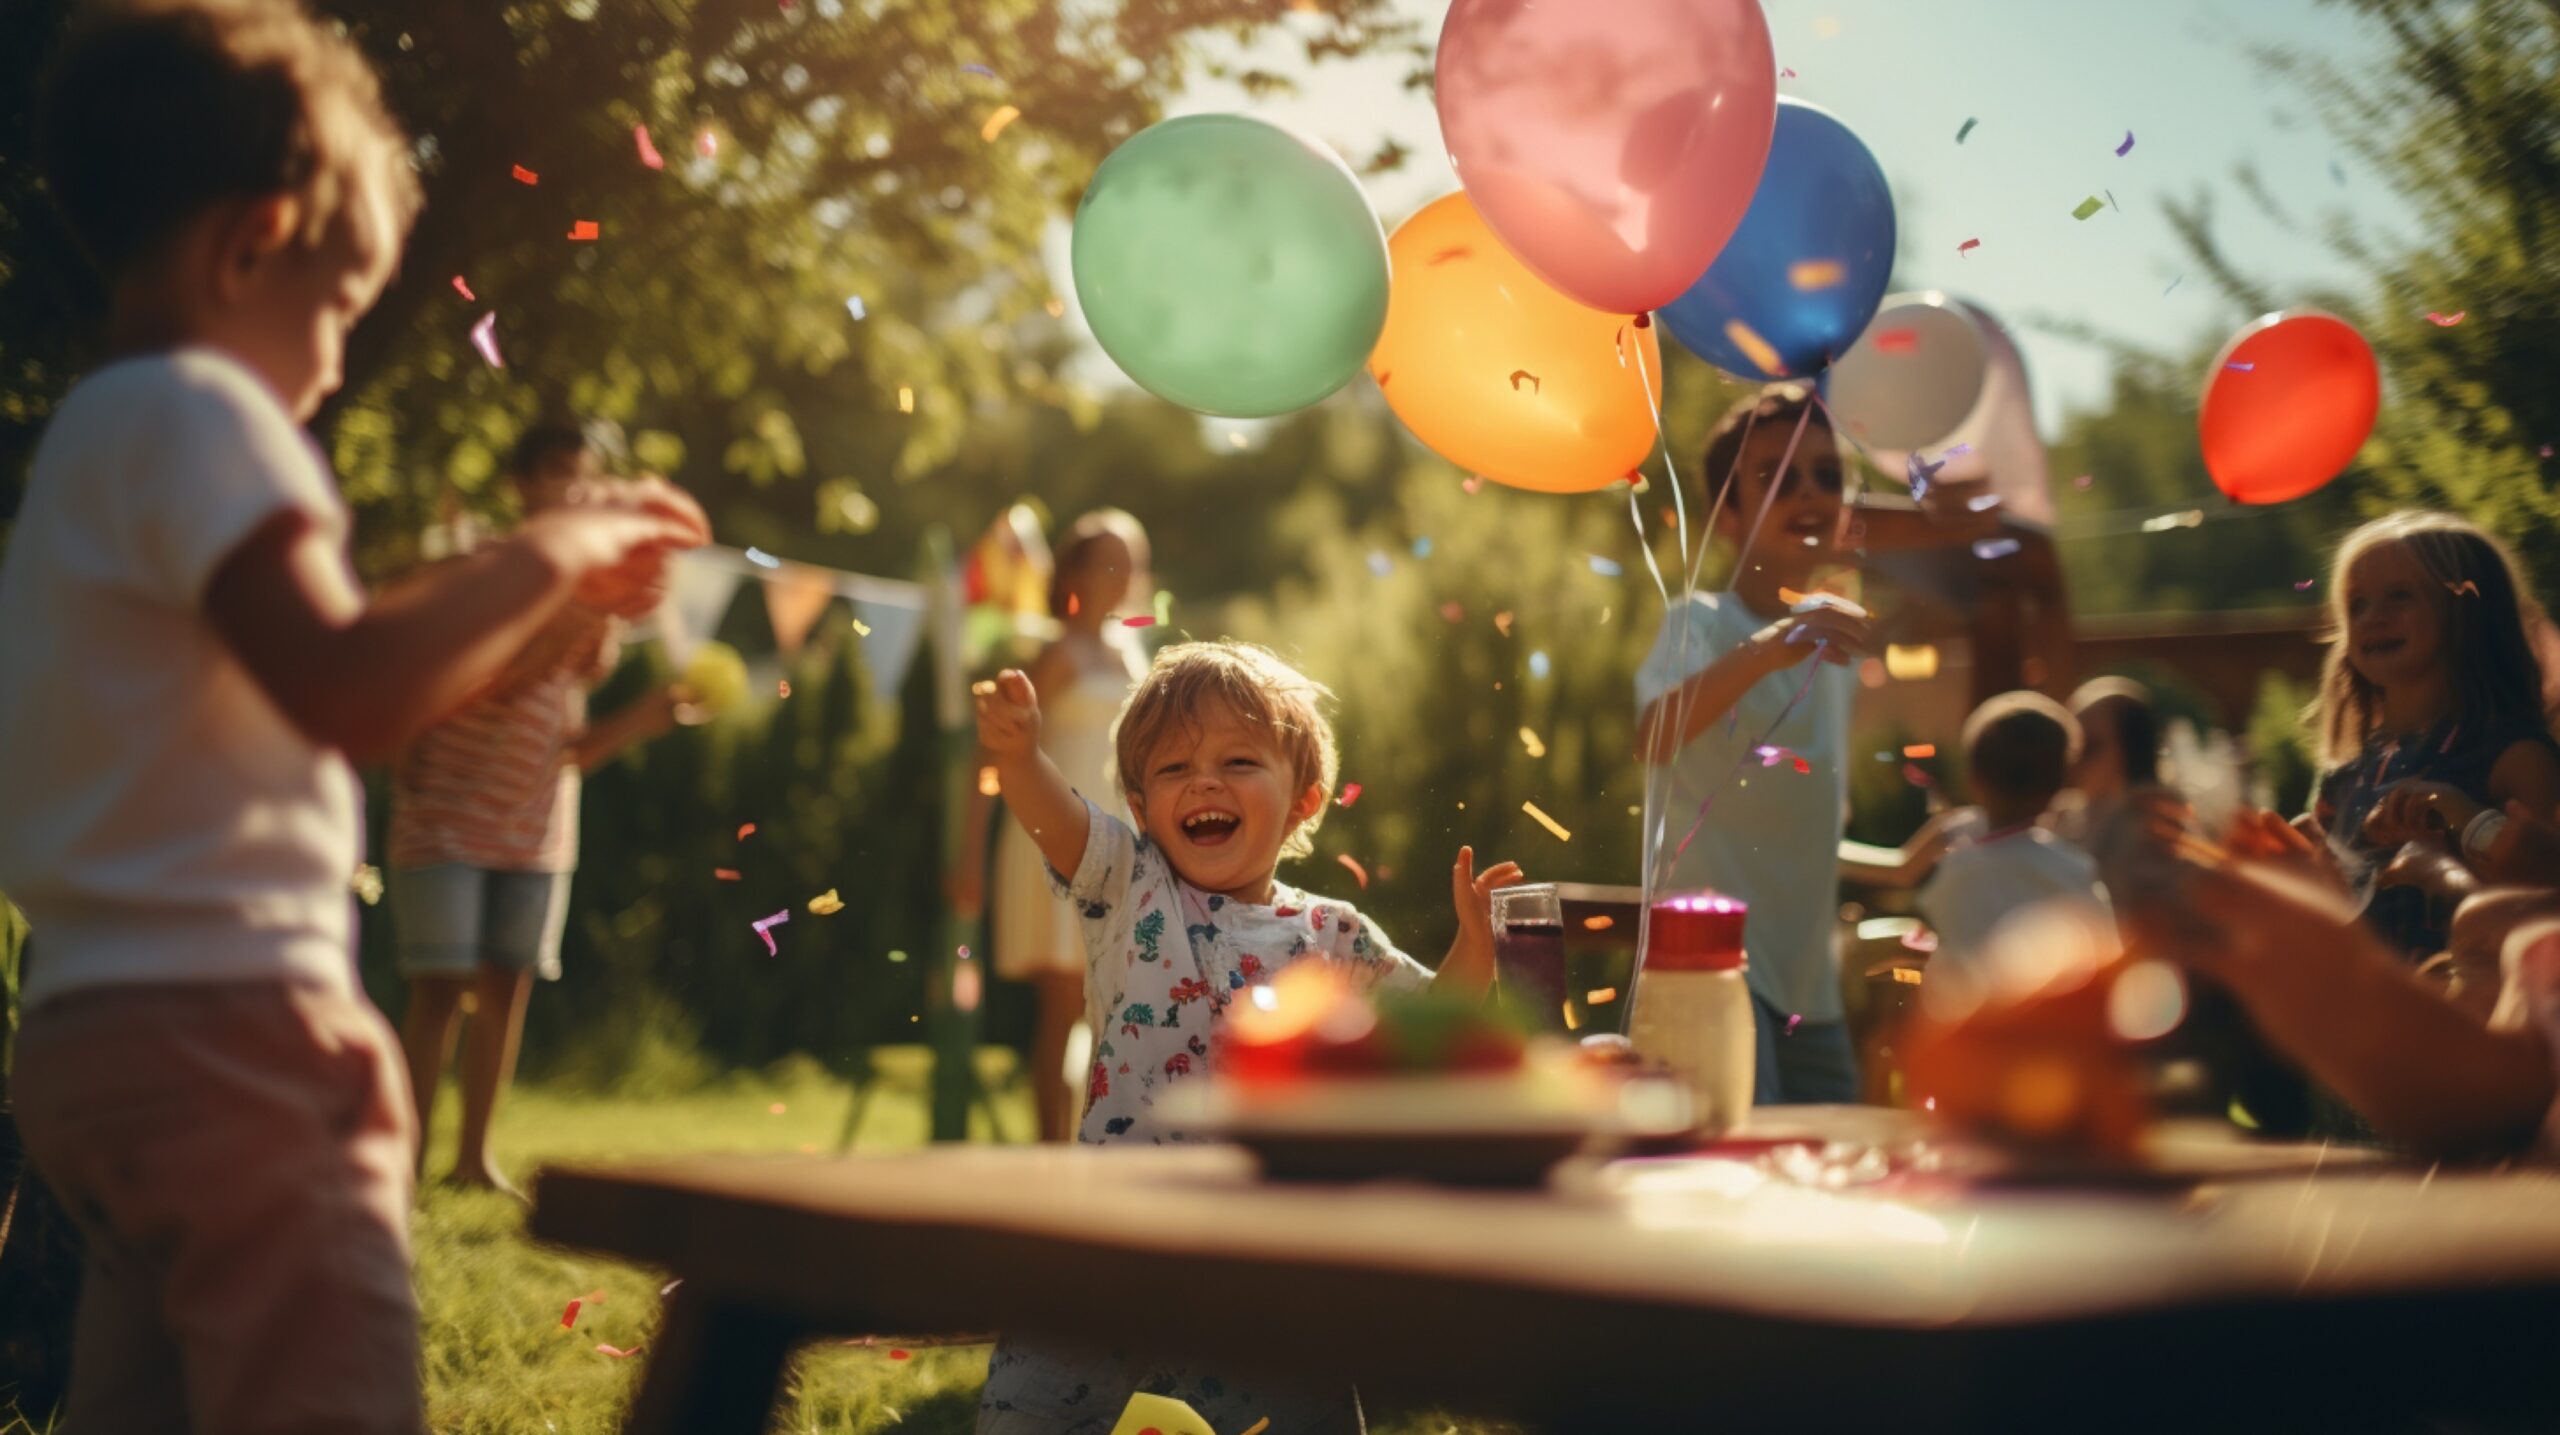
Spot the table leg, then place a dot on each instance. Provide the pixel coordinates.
(714, 1369)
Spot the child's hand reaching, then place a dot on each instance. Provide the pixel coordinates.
(1468, 970)
(1839, 634)
(2419, 812)
(1008, 716)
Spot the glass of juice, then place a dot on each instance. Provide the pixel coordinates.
(1528, 950)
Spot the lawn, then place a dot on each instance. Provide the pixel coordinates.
(497, 1357)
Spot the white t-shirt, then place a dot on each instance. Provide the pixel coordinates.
(1770, 833)
(1985, 882)
(160, 819)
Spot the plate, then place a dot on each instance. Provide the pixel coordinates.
(1506, 1130)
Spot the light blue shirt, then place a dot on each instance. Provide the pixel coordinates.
(1770, 834)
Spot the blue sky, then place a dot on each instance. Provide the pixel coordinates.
(2054, 84)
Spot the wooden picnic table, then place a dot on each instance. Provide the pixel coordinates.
(1645, 1296)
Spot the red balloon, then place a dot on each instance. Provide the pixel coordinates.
(2287, 404)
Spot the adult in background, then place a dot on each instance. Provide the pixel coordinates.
(484, 825)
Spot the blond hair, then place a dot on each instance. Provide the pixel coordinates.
(1257, 687)
(2487, 617)
(153, 111)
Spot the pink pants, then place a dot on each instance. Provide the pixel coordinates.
(239, 1157)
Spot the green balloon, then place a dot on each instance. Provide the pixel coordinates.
(1231, 266)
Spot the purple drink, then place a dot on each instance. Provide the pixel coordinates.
(1528, 961)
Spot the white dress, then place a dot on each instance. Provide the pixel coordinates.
(1035, 932)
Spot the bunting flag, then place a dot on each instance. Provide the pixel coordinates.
(699, 590)
(794, 597)
(889, 645)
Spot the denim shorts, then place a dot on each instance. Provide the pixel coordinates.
(452, 919)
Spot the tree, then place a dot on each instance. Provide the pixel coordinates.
(815, 152)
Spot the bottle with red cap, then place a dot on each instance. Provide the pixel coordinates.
(1693, 1004)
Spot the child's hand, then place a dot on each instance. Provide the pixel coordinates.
(1008, 716)
(1837, 634)
(2419, 812)
(1473, 896)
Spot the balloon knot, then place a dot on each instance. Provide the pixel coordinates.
(1644, 321)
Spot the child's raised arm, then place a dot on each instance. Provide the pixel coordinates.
(1669, 722)
(1037, 794)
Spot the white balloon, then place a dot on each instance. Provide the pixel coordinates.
(1914, 377)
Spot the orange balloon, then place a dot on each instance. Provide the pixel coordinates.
(1502, 375)
(2287, 404)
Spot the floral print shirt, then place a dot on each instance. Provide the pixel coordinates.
(1163, 960)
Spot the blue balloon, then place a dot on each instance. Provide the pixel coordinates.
(1801, 277)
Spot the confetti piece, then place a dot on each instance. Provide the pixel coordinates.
(977, 70)
(2305, 585)
(1518, 374)
(1898, 341)
(2088, 207)
(1920, 751)
(1969, 123)
(464, 289)
(1547, 822)
(853, 305)
(1599, 996)
(782, 689)
(484, 337)
(2185, 518)
(1422, 548)
(2127, 147)
(762, 559)
(584, 229)
(1529, 740)
(746, 831)
(1990, 548)
(1763, 355)
(648, 152)
(725, 874)
(1967, 247)
(826, 904)
(2111, 200)
(1502, 622)
(861, 629)
(1785, 73)
(765, 928)
(1794, 1019)
(569, 1317)
(1916, 777)
(1598, 924)
(2464, 589)
(1814, 275)
(617, 1352)
(906, 399)
(1004, 115)
(524, 175)
(2447, 321)
(2173, 286)
(2241, 368)
(1257, 1427)
(1472, 483)
(1538, 665)
(1350, 795)
(1605, 567)
(1358, 872)
(706, 144)
(899, 1355)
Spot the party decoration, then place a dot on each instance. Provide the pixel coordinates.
(1799, 280)
(1230, 266)
(1466, 318)
(1913, 377)
(2287, 403)
(1613, 144)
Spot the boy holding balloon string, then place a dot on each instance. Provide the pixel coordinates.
(1745, 698)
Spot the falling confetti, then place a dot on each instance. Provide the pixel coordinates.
(524, 175)
(1785, 73)
(1359, 873)
(584, 229)
(746, 831)
(765, 928)
(1898, 341)
(669, 1288)
(569, 1317)
(2127, 147)
(1969, 123)
(1920, 751)
(1350, 795)
(464, 290)
(1502, 622)
(1811, 276)
(826, 904)
(1916, 777)
(1143, 620)
(617, 1352)
(2447, 321)
(2184, 518)
(1529, 740)
(906, 399)
(1605, 567)
(2173, 286)
(1004, 115)
(2241, 368)
(1422, 548)
(762, 559)
(648, 152)
(2088, 207)
(1990, 548)
(1599, 996)
(1257, 1427)
(853, 305)
(484, 337)
(899, 1355)
(977, 70)
(724, 874)
(1967, 247)
(1546, 822)
(1518, 374)
(2305, 585)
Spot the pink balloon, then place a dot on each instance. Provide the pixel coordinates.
(1613, 145)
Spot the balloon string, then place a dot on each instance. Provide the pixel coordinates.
(1679, 503)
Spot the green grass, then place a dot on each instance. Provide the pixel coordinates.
(497, 1359)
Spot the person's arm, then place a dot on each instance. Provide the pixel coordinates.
(368, 679)
(643, 719)
(1034, 790)
(966, 888)
(1906, 866)
(2328, 995)
(1468, 969)
(1671, 721)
